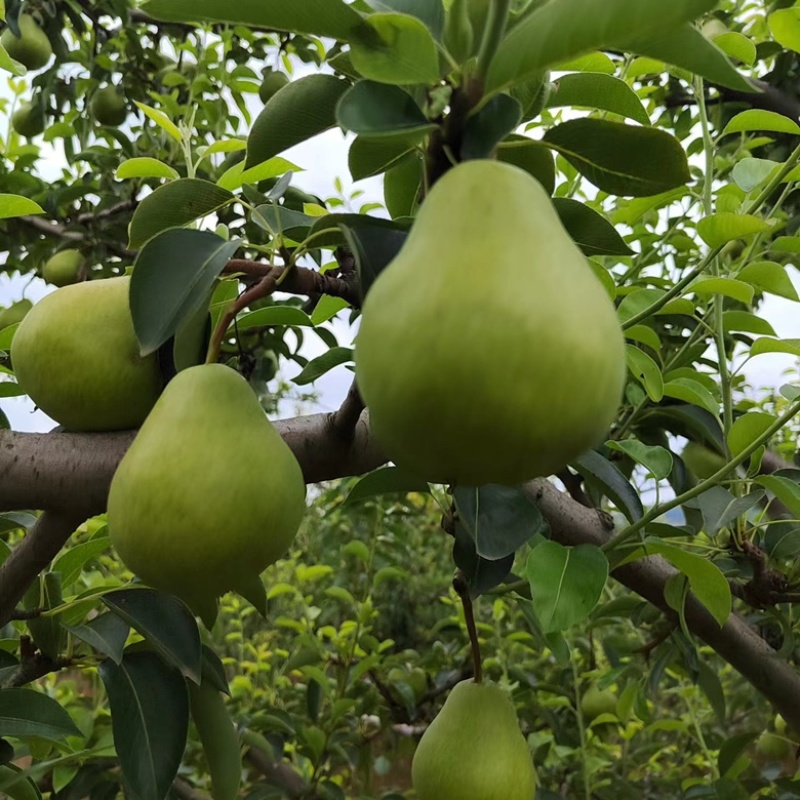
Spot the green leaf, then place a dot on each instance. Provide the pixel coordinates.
(13, 205)
(373, 109)
(758, 120)
(709, 585)
(725, 226)
(150, 719)
(500, 519)
(746, 322)
(531, 156)
(106, 633)
(481, 573)
(395, 48)
(691, 391)
(566, 583)
(785, 489)
(401, 186)
(173, 277)
(751, 172)
(324, 363)
(486, 129)
(790, 346)
(431, 12)
(738, 46)
(600, 473)
(274, 315)
(591, 231)
(165, 622)
(368, 156)
(160, 119)
(279, 219)
(596, 90)
(769, 277)
(238, 176)
(656, 459)
(646, 371)
(386, 480)
(558, 31)
(784, 25)
(706, 286)
(746, 429)
(71, 562)
(25, 712)
(333, 18)
(143, 167)
(174, 205)
(621, 159)
(295, 113)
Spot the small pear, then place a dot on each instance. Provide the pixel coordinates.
(773, 747)
(108, 106)
(489, 352)
(14, 313)
(63, 268)
(272, 82)
(596, 701)
(28, 121)
(209, 495)
(32, 49)
(474, 749)
(77, 357)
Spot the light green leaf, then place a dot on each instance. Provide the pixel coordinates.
(751, 172)
(646, 371)
(162, 120)
(785, 489)
(738, 46)
(784, 25)
(144, 167)
(758, 120)
(238, 176)
(790, 346)
(746, 429)
(769, 277)
(13, 205)
(657, 459)
(746, 322)
(692, 392)
(729, 287)
(719, 229)
(595, 90)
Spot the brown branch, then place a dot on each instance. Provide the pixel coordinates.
(95, 216)
(23, 614)
(346, 417)
(278, 772)
(33, 668)
(574, 485)
(52, 229)
(185, 791)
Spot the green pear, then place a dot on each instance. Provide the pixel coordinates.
(108, 106)
(209, 495)
(64, 268)
(28, 121)
(474, 749)
(32, 49)
(271, 83)
(14, 313)
(773, 747)
(596, 701)
(701, 460)
(77, 357)
(489, 352)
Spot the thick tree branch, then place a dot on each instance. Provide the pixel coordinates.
(69, 474)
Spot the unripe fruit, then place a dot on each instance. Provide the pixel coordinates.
(596, 701)
(14, 313)
(32, 49)
(108, 106)
(63, 268)
(272, 83)
(773, 747)
(28, 121)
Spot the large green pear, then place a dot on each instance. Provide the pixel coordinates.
(489, 352)
(76, 356)
(32, 49)
(15, 313)
(209, 494)
(474, 749)
(63, 268)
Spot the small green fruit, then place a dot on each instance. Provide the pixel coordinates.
(108, 106)
(32, 49)
(780, 725)
(701, 460)
(272, 82)
(28, 121)
(63, 268)
(77, 357)
(773, 747)
(596, 701)
(14, 313)
(492, 354)
(209, 495)
(474, 749)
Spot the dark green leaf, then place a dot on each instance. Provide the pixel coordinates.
(174, 205)
(334, 18)
(273, 316)
(324, 363)
(591, 231)
(71, 563)
(296, 112)
(167, 624)
(368, 157)
(531, 156)
(500, 519)
(603, 475)
(481, 574)
(401, 186)
(486, 129)
(377, 109)
(279, 219)
(16, 520)
(213, 670)
(173, 278)
(620, 159)
(431, 12)
(25, 712)
(106, 633)
(596, 90)
(385, 481)
(150, 718)
(731, 750)
(566, 582)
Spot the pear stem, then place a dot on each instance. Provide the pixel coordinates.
(461, 586)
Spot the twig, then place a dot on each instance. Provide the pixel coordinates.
(185, 791)
(345, 419)
(574, 485)
(33, 668)
(462, 589)
(26, 613)
(279, 773)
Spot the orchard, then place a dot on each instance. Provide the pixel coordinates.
(403, 407)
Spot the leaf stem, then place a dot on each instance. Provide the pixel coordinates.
(492, 36)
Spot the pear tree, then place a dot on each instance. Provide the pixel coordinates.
(446, 472)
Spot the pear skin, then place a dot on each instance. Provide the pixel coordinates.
(208, 495)
(474, 749)
(76, 356)
(489, 352)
